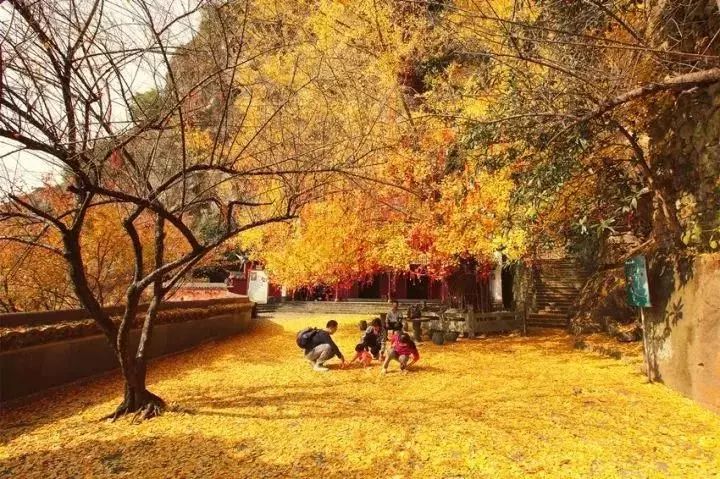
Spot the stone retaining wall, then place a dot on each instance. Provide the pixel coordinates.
(685, 328)
(32, 369)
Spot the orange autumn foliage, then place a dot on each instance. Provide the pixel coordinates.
(35, 277)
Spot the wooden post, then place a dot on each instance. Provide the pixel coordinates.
(417, 330)
(646, 346)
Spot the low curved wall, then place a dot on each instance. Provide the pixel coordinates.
(33, 369)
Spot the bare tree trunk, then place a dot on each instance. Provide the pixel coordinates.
(137, 398)
(135, 394)
(126, 360)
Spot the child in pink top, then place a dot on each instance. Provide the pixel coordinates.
(403, 348)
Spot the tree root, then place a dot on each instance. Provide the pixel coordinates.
(121, 410)
(146, 406)
(149, 411)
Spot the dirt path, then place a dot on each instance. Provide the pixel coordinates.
(496, 408)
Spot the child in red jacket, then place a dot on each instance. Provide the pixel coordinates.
(362, 355)
(403, 348)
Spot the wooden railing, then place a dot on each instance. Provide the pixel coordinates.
(470, 323)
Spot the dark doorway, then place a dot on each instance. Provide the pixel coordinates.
(507, 277)
(370, 289)
(418, 286)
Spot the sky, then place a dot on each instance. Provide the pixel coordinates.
(22, 171)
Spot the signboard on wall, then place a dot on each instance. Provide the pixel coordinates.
(638, 290)
(258, 287)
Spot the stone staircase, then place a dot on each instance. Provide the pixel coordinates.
(557, 283)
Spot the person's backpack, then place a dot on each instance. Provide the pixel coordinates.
(305, 336)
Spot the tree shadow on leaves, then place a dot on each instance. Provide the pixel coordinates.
(666, 275)
(177, 456)
(71, 399)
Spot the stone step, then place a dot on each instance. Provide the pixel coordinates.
(554, 304)
(546, 324)
(551, 305)
(532, 324)
(549, 316)
(554, 307)
(566, 288)
(550, 320)
(558, 281)
(266, 307)
(576, 282)
(556, 298)
(559, 267)
(558, 261)
(560, 277)
(560, 298)
(553, 311)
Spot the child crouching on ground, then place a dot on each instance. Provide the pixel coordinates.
(402, 349)
(362, 355)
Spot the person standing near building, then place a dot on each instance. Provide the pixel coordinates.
(393, 319)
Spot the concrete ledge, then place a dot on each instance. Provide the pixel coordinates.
(33, 369)
(498, 325)
(35, 318)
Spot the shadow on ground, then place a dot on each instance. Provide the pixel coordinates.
(185, 456)
(71, 399)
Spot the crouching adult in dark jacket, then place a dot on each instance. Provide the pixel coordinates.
(321, 347)
(374, 339)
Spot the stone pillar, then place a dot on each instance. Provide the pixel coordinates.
(496, 284)
(470, 324)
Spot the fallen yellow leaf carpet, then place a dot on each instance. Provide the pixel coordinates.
(251, 407)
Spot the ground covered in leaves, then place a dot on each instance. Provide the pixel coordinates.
(251, 407)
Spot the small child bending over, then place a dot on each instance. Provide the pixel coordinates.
(402, 349)
(362, 355)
